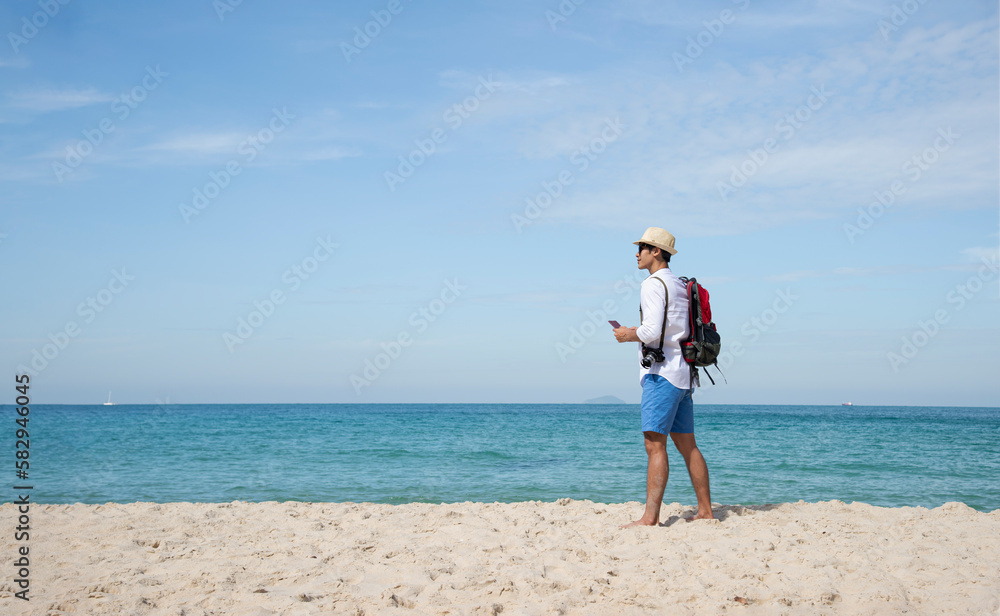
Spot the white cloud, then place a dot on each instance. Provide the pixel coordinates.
(982, 253)
(23, 173)
(200, 143)
(57, 100)
(861, 272)
(826, 14)
(686, 131)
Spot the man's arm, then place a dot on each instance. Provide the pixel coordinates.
(626, 334)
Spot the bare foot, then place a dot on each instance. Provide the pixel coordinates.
(640, 522)
(700, 516)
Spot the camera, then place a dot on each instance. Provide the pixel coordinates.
(650, 356)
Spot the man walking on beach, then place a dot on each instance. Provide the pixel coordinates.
(667, 407)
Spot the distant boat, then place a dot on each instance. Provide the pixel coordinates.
(109, 402)
(846, 404)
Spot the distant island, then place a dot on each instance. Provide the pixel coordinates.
(605, 400)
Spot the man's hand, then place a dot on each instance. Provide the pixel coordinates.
(626, 334)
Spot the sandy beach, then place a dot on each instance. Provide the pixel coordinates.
(567, 557)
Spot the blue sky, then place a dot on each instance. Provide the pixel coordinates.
(259, 202)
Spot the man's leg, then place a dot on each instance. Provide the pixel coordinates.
(657, 471)
(698, 470)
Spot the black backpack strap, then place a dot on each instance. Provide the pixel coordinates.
(666, 304)
(716, 364)
(694, 306)
(694, 318)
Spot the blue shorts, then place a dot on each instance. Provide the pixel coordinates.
(666, 408)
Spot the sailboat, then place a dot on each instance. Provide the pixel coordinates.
(109, 402)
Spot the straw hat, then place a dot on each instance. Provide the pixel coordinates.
(655, 236)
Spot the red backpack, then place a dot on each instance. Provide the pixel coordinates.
(702, 346)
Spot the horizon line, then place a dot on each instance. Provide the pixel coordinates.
(493, 403)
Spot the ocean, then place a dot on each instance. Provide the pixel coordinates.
(402, 453)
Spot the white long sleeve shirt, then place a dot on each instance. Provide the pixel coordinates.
(651, 300)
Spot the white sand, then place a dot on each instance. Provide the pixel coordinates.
(568, 557)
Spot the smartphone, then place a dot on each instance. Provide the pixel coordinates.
(615, 324)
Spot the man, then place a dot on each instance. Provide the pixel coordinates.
(667, 407)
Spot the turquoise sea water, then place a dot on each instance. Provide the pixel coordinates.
(399, 453)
